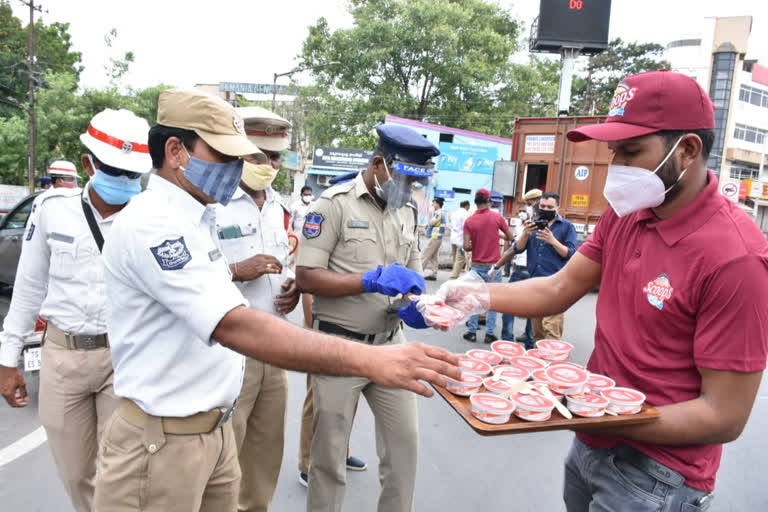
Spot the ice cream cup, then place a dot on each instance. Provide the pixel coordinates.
(587, 405)
(545, 384)
(468, 384)
(491, 408)
(566, 379)
(554, 350)
(496, 387)
(486, 356)
(598, 383)
(532, 407)
(511, 373)
(567, 363)
(507, 349)
(467, 364)
(527, 363)
(539, 375)
(624, 400)
(537, 354)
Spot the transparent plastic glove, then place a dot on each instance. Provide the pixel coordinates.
(412, 317)
(492, 273)
(468, 294)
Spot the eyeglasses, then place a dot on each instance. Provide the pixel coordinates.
(106, 169)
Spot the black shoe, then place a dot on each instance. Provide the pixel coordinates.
(470, 336)
(490, 338)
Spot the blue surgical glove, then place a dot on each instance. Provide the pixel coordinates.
(411, 316)
(393, 280)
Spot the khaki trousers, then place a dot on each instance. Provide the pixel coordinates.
(259, 426)
(144, 469)
(76, 401)
(461, 261)
(548, 327)
(305, 436)
(397, 426)
(429, 257)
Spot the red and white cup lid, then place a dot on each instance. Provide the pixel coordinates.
(564, 375)
(507, 348)
(554, 346)
(600, 382)
(532, 402)
(485, 356)
(538, 354)
(589, 399)
(473, 365)
(492, 403)
(539, 375)
(624, 396)
(499, 386)
(527, 363)
(468, 378)
(511, 372)
(566, 363)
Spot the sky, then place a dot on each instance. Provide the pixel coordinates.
(183, 43)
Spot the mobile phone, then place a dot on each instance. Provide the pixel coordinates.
(541, 224)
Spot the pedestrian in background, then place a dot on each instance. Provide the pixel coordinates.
(481, 236)
(459, 256)
(61, 277)
(435, 230)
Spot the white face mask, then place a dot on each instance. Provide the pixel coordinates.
(523, 216)
(629, 189)
(306, 199)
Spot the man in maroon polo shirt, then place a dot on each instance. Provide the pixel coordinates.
(682, 310)
(481, 237)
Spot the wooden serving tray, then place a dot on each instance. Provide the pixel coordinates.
(557, 422)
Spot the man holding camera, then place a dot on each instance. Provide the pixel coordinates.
(550, 241)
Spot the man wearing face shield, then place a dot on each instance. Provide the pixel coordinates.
(253, 238)
(681, 312)
(178, 325)
(61, 277)
(358, 253)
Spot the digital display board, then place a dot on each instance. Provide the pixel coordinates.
(571, 24)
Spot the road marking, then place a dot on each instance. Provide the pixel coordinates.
(23, 446)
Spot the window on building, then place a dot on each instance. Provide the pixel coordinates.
(750, 134)
(719, 91)
(744, 172)
(754, 96)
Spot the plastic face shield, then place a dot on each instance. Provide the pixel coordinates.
(404, 178)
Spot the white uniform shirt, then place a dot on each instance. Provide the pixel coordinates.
(298, 214)
(246, 231)
(168, 286)
(60, 273)
(457, 226)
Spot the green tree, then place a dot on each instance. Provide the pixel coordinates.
(433, 60)
(594, 90)
(53, 53)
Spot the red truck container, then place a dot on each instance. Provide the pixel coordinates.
(548, 161)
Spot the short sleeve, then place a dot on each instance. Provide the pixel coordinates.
(593, 247)
(319, 235)
(732, 318)
(501, 223)
(180, 269)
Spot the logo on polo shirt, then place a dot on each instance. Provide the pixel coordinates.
(658, 290)
(621, 97)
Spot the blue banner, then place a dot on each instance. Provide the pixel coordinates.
(445, 194)
(466, 158)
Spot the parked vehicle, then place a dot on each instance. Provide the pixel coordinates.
(11, 232)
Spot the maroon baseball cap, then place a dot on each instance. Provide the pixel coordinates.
(482, 193)
(649, 102)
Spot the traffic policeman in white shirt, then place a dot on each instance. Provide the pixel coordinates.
(253, 237)
(61, 276)
(300, 208)
(177, 322)
(63, 174)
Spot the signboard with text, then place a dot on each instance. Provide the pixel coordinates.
(246, 88)
(539, 144)
(342, 159)
(466, 158)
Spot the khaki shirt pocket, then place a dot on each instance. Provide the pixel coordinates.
(405, 245)
(361, 246)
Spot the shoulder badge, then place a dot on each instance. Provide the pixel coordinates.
(313, 225)
(172, 254)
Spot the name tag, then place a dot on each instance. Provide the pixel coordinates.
(230, 232)
(214, 254)
(61, 238)
(358, 224)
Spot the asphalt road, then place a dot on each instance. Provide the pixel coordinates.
(458, 469)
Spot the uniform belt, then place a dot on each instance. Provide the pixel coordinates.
(74, 341)
(200, 423)
(645, 463)
(330, 328)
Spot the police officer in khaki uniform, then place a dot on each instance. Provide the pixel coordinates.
(354, 227)
(178, 325)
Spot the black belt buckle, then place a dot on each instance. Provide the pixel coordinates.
(226, 413)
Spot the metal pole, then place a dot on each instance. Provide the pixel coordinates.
(31, 85)
(274, 90)
(566, 79)
(760, 175)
